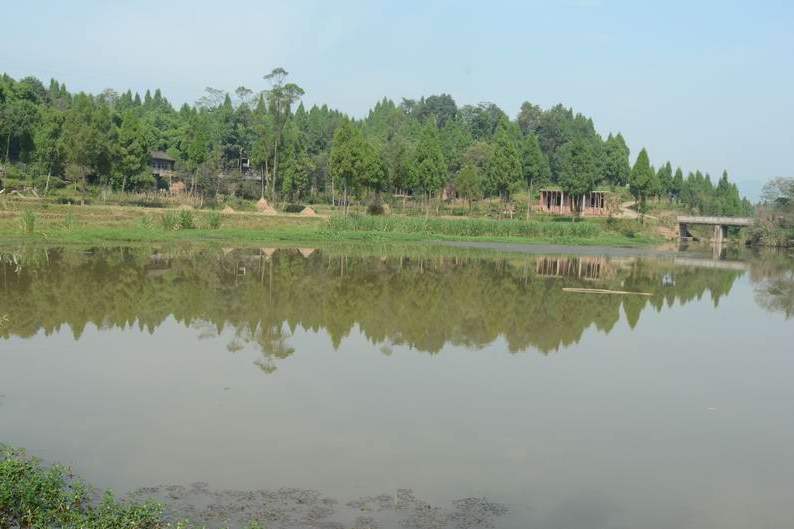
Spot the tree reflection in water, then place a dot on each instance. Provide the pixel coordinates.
(420, 302)
(773, 278)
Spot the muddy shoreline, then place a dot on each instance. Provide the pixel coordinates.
(288, 508)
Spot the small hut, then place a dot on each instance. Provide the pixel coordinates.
(556, 201)
(589, 268)
(162, 163)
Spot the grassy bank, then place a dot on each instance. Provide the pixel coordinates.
(121, 224)
(33, 495)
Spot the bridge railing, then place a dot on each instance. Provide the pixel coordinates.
(712, 221)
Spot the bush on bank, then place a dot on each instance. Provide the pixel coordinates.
(34, 496)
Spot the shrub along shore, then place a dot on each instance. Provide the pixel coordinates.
(35, 495)
(57, 223)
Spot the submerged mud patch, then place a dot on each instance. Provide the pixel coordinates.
(289, 508)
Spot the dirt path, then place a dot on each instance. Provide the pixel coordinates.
(627, 213)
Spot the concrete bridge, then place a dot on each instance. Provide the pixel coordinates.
(720, 225)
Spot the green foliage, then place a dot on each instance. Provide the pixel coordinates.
(664, 181)
(27, 221)
(578, 168)
(677, 184)
(534, 164)
(49, 145)
(429, 170)
(146, 222)
(616, 160)
(185, 219)
(699, 195)
(376, 208)
(482, 119)
(252, 146)
(775, 221)
(18, 121)
(132, 156)
(354, 163)
(298, 165)
(214, 220)
(626, 227)
(768, 232)
(641, 180)
(469, 183)
(32, 495)
(529, 118)
(69, 221)
(505, 167)
(441, 108)
(170, 221)
(461, 227)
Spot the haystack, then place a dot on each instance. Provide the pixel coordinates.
(227, 209)
(308, 212)
(263, 207)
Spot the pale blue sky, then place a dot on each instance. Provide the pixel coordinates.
(707, 85)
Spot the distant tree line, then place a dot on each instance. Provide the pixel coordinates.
(415, 147)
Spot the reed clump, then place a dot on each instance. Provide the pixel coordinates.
(28, 222)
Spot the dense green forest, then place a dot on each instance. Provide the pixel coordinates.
(266, 143)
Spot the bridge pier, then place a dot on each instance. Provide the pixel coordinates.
(720, 233)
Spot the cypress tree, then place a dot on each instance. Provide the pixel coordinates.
(429, 170)
(577, 169)
(665, 180)
(534, 166)
(505, 168)
(678, 184)
(641, 180)
(616, 160)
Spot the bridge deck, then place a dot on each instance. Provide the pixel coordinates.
(715, 221)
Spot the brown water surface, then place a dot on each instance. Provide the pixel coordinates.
(313, 388)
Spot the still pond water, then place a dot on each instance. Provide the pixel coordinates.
(311, 388)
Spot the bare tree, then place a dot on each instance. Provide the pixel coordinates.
(212, 98)
(244, 95)
(281, 96)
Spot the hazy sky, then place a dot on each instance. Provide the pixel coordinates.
(707, 85)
